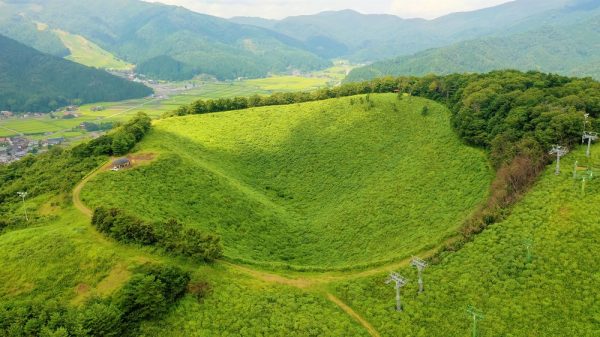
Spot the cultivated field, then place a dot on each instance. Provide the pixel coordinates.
(333, 184)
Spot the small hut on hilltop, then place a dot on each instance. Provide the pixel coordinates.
(121, 163)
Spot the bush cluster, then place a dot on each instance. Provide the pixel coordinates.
(171, 235)
(149, 293)
(118, 142)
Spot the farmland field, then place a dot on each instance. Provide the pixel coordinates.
(519, 296)
(305, 185)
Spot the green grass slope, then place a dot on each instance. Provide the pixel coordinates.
(556, 294)
(329, 184)
(241, 306)
(68, 262)
(90, 54)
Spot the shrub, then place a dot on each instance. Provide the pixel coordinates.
(171, 235)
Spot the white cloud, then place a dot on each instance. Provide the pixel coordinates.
(282, 8)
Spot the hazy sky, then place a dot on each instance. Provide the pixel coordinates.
(282, 8)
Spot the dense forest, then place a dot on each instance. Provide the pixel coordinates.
(32, 81)
(570, 50)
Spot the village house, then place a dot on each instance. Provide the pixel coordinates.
(54, 141)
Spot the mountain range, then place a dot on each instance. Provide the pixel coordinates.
(166, 42)
(366, 38)
(564, 41)
(174, 43)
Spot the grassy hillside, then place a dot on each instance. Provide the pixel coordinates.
(572, 50)
(327, 184)
(89, 54)
(69, 264)
(553, 294)
(32, 81)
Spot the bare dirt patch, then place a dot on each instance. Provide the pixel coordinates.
(139, 159)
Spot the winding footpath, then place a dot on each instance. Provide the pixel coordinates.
(307, 283)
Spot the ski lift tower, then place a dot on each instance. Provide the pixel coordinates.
(421, 265)
(559, 151)
(23, 195)
(584, 176)
(476, 315)
(589, 137)
(400, 282)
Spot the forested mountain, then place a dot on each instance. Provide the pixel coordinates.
(568, 50)
(374, 37)
(169, 42)
(33, 81)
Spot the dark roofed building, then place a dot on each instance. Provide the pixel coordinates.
(121, 163)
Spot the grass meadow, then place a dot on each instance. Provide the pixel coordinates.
(554, 293)
(325, 185)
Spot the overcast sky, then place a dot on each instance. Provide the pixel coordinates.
(277, 9)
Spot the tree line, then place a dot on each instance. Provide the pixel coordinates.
(118, 142)
(171, 235)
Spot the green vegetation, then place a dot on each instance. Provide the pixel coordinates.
(277, 192)
(184, 93)
(58, 170)
(240, 306)
(26, 31)
(32, 81)
(170, 235)
(571, 50)
(340, 183)
(146, 295)
(552, 294)
(289, 83)
(89, 54)
(172, 43)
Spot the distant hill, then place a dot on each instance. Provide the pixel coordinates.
(568, 50)
(171, 42)
(361, 37)
(26, 31)
(33, 81)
